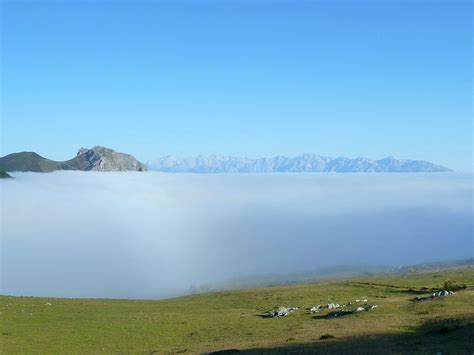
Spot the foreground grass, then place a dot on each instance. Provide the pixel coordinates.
(231, 320)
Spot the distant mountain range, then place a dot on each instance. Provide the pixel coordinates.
(95, 159)
(281, 164)
(105, 159)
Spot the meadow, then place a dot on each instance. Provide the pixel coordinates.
(233, 320)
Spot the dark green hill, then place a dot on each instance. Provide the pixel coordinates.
(30, 161)
(4, 174)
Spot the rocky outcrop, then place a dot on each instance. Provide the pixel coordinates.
(282, 311)
(434, 295)
(104, 159)
(345, 312)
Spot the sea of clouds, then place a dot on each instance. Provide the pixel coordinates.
(147, 235)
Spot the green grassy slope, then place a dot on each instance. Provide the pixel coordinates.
(30, 161)
(231, 320)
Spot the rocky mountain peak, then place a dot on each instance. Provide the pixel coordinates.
(100, 158)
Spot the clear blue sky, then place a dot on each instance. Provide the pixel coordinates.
(253, 78)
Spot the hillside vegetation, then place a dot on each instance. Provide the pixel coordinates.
(4, 174)
(234, 320)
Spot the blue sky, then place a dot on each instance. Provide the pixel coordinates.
(253, 78)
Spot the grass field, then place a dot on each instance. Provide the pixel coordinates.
(231, 320)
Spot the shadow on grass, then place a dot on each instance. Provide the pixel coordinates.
(395, 288)
(264, 315)
(452, 336)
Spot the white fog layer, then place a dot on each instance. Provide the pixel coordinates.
(145, 235)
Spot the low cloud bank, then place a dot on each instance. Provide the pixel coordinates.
(146, 235)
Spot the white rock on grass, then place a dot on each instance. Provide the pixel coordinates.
(315, 309)
(282, 311)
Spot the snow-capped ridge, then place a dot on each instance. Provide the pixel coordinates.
(307, 162)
